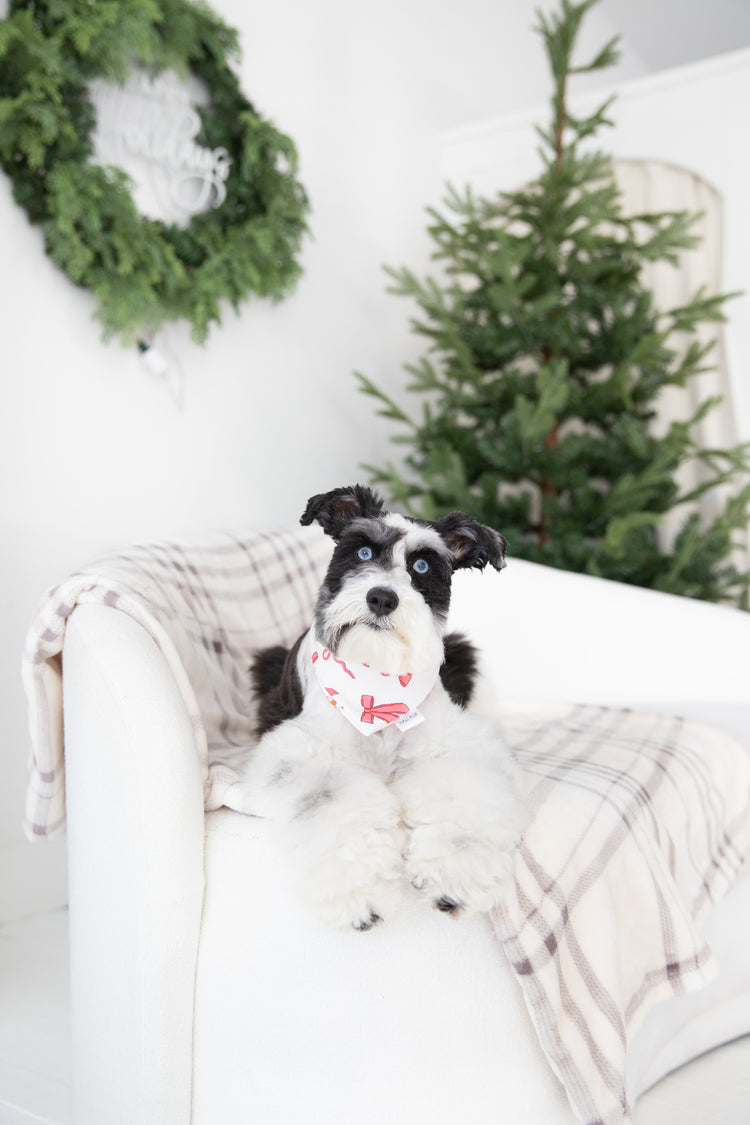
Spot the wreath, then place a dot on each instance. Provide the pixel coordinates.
(143, 272)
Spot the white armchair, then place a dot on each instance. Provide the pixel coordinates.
(203, 994)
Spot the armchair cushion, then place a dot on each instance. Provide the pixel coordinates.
(639, 822)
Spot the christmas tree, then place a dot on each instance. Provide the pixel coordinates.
(546, 360)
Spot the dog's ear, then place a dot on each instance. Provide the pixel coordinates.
(471, 543)
(334, 510)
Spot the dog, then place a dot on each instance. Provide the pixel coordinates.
(369, 758)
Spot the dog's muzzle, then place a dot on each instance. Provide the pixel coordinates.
(381, 600)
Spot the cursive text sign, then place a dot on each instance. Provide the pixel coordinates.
(148, 128)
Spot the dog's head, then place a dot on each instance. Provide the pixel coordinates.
(385, 597)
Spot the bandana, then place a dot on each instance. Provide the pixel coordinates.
(372, 700)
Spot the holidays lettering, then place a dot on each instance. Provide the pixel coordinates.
(154, 120)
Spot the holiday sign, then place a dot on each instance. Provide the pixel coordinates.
(148, 128)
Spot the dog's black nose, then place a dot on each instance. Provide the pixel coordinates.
(382, 600)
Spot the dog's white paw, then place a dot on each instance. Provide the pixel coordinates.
(348, 854)
(355, 887)
(465, 818)
(360, 905)
(460, 872)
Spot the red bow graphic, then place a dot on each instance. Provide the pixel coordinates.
(388, 712)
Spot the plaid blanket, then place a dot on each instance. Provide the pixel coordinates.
(208, 605)
(638, 822)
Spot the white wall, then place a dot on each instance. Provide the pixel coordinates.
(94, 451)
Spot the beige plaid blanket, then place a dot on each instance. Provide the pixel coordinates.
(639, 822)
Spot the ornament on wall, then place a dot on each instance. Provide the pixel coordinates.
(158, 186)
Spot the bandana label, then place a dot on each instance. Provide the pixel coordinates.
(372, 700)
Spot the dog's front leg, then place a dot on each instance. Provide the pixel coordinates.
(460, 801)
(338, 822)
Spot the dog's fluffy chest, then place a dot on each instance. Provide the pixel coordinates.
(382, 752)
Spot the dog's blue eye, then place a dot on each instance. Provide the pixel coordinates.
(364, 553)
(421, 566)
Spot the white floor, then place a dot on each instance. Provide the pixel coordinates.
(34, 1054)
(34, 1050)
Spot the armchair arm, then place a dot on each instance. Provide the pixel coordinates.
(135, 840)
(551, 635)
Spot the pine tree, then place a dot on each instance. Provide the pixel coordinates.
(545, 363)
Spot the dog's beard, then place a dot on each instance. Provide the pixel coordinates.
(386, 649)
(409, 638)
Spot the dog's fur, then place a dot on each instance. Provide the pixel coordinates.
(437, 804)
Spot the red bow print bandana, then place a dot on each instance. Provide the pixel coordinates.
(371, 700)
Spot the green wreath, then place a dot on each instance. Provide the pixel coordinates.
(143, 272)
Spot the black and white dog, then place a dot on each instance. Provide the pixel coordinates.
(368, 758)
